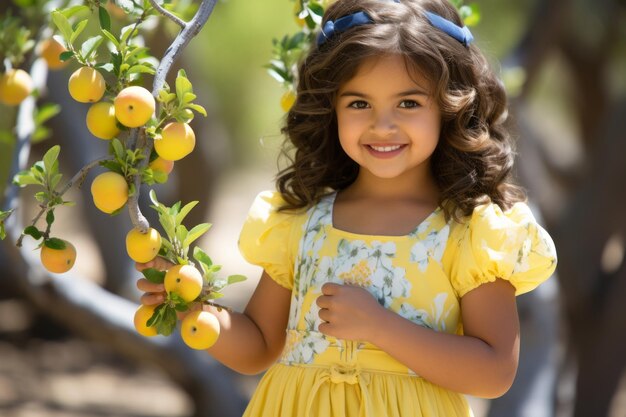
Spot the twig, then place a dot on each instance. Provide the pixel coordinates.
(78, 177)
(168, 14)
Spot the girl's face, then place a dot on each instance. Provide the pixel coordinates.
(388, 122)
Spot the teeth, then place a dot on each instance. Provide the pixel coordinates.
(385, 148)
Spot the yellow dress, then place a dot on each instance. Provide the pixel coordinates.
(420, 276)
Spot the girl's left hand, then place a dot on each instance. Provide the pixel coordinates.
(348, 312)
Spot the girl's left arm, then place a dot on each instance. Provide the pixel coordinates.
(481, 362)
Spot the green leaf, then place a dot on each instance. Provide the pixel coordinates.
(71, 11)
(233, 279)
(140, 69)
(195, 233)
(127, 32)
(165, 97)
(90, 46)
(54, 243)
(181, 233)
(62, 24)
(66, 55)
(50, 217)
(202, 257)
(118, 149)
(154, 275)
(34, 232)
(78, 29)
(197, 108)
(188, 97)
(41, 196)
(54, 181)
(24, 178)
(159, 177)
(183, 85)
(185, 211)
(111, 37)
(105, 19)
(51, 157)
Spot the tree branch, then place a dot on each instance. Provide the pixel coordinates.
(168, 14)
(189, 31)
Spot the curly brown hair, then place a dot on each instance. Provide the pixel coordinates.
(473, 160)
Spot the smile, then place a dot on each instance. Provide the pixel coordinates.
(385, 149)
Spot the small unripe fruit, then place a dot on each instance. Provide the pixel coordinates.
(163, 165)
(134, 106)
(15, 86)
(143, 247)
(200, 330)
(51, 50)
(58, 261)
(109, 191)
(86, 85)
(184, 280)
(177, 141)
(142, 315)
(101, 120)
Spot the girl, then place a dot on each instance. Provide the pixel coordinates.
(395, 246)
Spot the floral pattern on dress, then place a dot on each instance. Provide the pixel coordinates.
(434, 319)
(429, 247)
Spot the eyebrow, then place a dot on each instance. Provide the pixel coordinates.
(413, 92)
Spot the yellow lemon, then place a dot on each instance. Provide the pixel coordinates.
(134, 106)
(143, 247)
(50, 51)
(184, 280)
(200, 330)
(15, 86)
(163, 165)
(142, 315)
(86, 85)
(58, 260)
(101, 120)
(287, 100)
(109, 191)
(177, 141)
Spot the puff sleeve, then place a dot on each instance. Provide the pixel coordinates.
(508, 245)
(266, 238)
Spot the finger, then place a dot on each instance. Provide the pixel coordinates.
(147, 286)
(330, 289)
(158, 263)
(324, 315)
(151, 298)
(326, 328)
(323, 301)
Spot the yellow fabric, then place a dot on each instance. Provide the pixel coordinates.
(420, 276)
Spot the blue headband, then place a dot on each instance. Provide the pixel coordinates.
(461, 34)
(341, 25)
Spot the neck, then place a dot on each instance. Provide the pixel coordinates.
(407, 187)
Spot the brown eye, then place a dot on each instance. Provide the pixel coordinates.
(409, 104)
(358, 104)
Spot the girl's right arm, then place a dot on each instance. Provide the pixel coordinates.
(251, 341)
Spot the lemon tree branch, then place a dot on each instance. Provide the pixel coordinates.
(168, 14)
(188, 32)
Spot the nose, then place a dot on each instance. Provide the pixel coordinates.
(383, 122)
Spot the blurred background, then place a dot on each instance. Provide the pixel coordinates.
(67, 346)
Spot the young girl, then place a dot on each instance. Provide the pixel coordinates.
(395, 246)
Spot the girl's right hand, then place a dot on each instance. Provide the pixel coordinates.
(154, 293)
